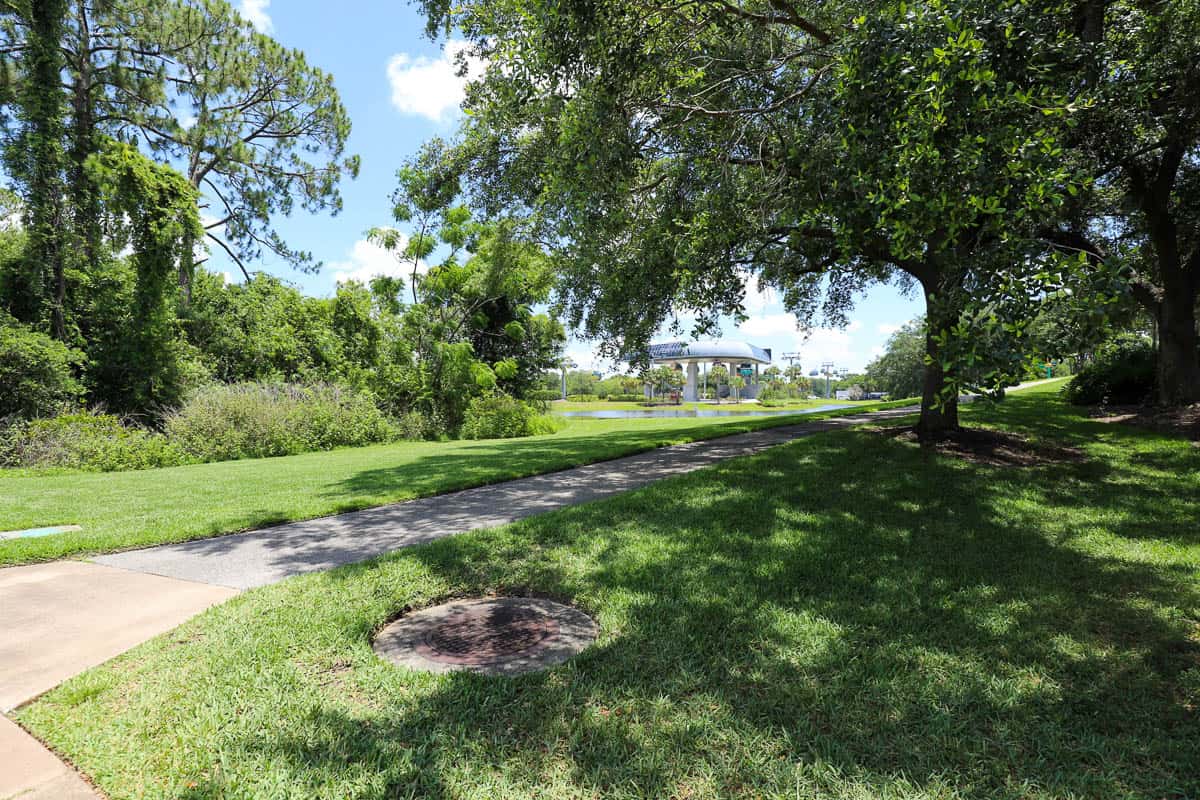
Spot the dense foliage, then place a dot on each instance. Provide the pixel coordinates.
(103, 278)
(499, 416)
(217, 423)
(37, 373)
(1139, 141)
(900, 370)
(1121, 373)
(221, 423)
(86, 441)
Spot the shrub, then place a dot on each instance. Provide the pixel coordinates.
(626, 398)
(418, 426)
(87, 441)
(499, 416)
(543, 395)
(256, 420)
(36, 372)
(1121, 373)
(582, 398)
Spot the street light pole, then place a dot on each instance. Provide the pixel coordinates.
(827, 368)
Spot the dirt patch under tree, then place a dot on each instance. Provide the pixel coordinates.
(993, 448)
(1182, 421)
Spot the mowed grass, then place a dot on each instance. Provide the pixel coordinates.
(134, 509)
(842, 617)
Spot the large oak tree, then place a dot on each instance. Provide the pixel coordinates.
(1140, 142)
(671, 151)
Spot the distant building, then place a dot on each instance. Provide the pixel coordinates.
(739, 358)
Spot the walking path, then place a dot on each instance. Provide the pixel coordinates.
(64, 617)
(267, 555)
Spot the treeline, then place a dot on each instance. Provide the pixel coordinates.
(136, 133)
(137, 138)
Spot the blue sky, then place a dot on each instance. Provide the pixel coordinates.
(400, 89)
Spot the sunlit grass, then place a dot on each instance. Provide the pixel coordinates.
(842, 617)
(134, 509)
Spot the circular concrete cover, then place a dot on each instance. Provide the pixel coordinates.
(493, 636)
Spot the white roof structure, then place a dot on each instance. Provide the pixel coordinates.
(711, 350)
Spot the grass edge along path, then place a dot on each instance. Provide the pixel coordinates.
(914, 627)
(128, 510)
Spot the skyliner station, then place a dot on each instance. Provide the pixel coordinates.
(739, 358)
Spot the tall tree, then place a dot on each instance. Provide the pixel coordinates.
(1140, 140)
(255, 128)
(669, 151)
(37, 157)
(262, 133)
(152, 209)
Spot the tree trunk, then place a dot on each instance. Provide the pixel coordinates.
(82, 193)
(1178, 358)
(187, 271)
(938, 417)
(41, 111)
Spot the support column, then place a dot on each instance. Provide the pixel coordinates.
(689, 389)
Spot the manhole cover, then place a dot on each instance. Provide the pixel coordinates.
(495, 636)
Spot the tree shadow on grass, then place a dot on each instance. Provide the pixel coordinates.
(843, 617)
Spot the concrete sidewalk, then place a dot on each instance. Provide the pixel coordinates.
(60, 619)
(259, 557)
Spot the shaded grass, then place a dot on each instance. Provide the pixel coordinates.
(135, 509)
(846, 616)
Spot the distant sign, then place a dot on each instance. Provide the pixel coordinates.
(746, 372)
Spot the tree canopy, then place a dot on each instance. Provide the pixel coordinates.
(672, 152)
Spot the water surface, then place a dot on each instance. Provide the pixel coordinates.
(728, 411)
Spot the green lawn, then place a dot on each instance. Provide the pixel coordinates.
(843, 617)
(134, 509)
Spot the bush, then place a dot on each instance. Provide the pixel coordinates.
(256, 420)
(582, 398)
(543, 395)
(36, 372)
(626, 398)
(1122, 373)
(418, 426)
(87, 441)
(499, 416)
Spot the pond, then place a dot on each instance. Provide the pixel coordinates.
(728, 411)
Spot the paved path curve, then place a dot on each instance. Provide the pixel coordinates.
(267, 555)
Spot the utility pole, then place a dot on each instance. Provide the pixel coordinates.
(827, 368)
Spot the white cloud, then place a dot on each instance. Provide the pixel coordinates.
(888, 328)
(255, 12)
(586, 355)
(855, 325)
(367, 260)
(431, 87)
(769, 325)
(827, 344)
